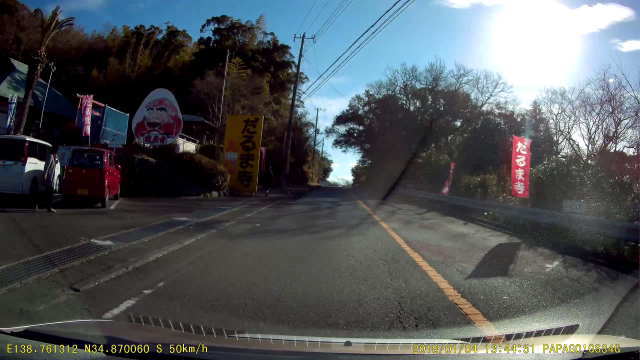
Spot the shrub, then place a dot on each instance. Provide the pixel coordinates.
(138, 174)
(430, 171)
(214, 152)
(554, 181)
(605, 195)
(171, 174)
(479, 186)
(163, 152)
(199, 171)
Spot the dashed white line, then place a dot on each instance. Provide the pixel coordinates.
(549, 267)
(87, 284)
(130, 302)
(102, 242)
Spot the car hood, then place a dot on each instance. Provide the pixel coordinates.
(207, 343)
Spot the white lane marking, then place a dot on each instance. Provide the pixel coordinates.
(130, 302)
(113, 206)
(88, 284)
(182, 218)
(119, 246)
(102, 242)
(550, 267)
(20, 328)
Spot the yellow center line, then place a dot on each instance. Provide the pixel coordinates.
(449, 291)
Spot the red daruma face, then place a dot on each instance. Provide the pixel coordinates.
(161, 121)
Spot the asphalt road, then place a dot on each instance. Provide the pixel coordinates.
(332, 263)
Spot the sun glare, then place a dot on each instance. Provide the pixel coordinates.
(535, 43)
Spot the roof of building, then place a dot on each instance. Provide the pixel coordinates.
(195, 119)
(13, 81)
(23, 137)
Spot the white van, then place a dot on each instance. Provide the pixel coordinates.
(22, 161)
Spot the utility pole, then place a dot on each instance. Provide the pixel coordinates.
(313, 152)
(52, 68)
(224, 85)
(321, 155)
(287, 155)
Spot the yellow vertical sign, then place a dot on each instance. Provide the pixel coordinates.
(242, 141)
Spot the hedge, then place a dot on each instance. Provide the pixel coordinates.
(161, 172)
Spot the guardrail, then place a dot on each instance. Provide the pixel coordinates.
(627, 232)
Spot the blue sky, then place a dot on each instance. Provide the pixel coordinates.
(533, 43)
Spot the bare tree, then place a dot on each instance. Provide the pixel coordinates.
(207, 91)
(633, 90)
(488, 88)
(461, 77)
(600, 116)
(557, 106)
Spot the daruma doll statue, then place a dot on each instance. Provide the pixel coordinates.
(158, 120)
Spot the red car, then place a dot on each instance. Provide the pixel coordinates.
(92, 173)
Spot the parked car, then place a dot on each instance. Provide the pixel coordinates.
(93, 174)
(22, 162)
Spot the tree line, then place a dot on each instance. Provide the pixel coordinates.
(413, 123)
(121, 65)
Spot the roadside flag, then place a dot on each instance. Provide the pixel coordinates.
(11, 112)
(86, 111)
(447, 183)
(520, 166)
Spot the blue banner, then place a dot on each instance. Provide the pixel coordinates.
(114, 128)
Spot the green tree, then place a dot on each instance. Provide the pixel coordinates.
(397, 121)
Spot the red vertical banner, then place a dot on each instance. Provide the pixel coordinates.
(447, 183)
(86, 111)
(520, 166)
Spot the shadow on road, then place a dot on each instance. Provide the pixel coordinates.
(21, 204)
(497, 261)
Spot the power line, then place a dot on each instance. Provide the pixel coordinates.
(353, 50)
(351, 46)
(331, 19)
(317, 72)
(324, 6)
(304, 20)
(364, 43)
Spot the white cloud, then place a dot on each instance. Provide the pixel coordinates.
(344, 164)
(330, 107)
(584, 19)
(463, 4)
(600, 16)
(627, 45)
(75, 5)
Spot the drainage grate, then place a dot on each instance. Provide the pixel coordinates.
(26, 269)
(18, 272)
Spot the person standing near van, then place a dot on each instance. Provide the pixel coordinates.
(51, 180)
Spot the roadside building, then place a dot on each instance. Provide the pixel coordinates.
(58, 110)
